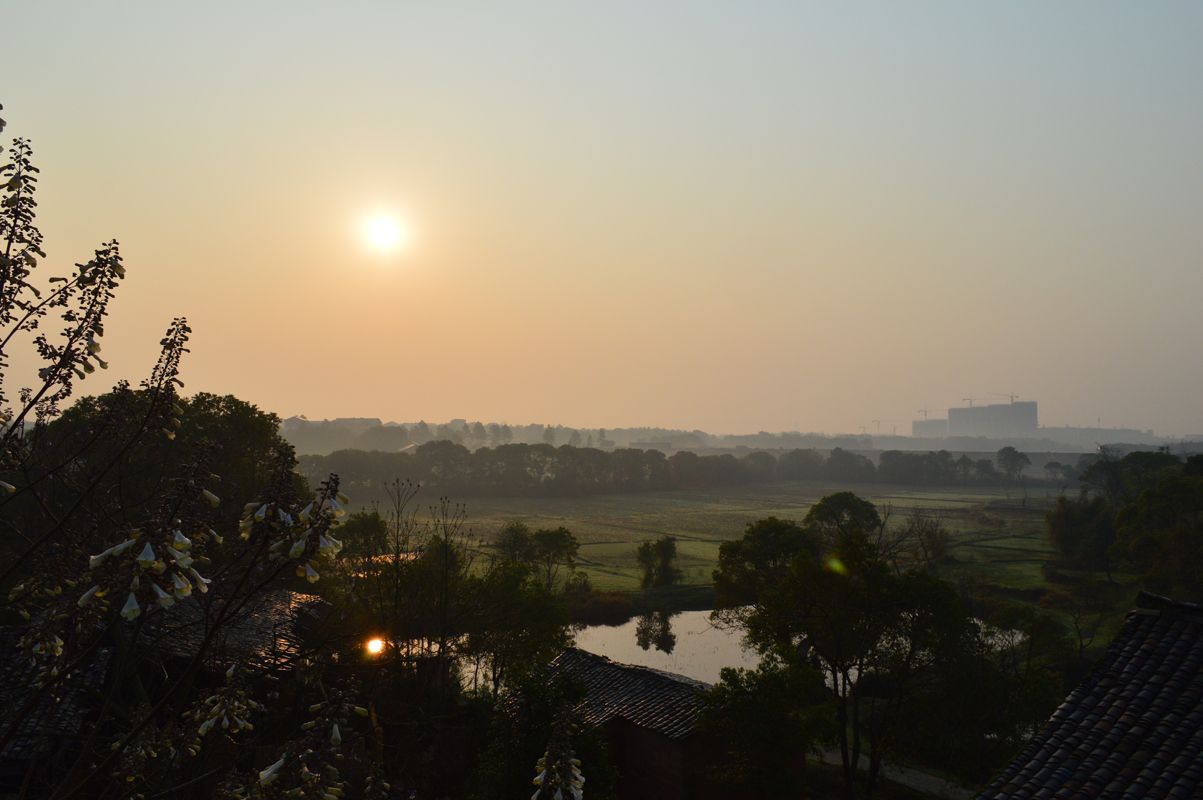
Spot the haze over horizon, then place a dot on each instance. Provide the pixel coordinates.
(693, 216)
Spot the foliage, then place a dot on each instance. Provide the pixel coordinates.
(518, 737)
(554, 550)
(150, 539)
(1160, 533)
(658, 561)
(1012, 462)
(1083, 531)
(832, 594)
(765, 721)
(520, 470)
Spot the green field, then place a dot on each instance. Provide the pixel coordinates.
(998, 537)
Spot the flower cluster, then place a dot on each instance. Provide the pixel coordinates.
(227, 710)
(163, 570)
(144, 761)
(308, 768)
(305, 538)
(559, 776)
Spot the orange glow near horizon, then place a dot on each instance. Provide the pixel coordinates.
(374, 647)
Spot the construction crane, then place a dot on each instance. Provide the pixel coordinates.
(876, 422)
(922, 411)
(1011, 397)
(968, 400)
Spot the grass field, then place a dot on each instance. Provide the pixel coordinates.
(998, 537)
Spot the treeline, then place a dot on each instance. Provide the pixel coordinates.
(321, 437)
(565, 471)
(1140, 514)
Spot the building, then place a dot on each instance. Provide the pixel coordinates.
(996, 421)
(929, 428)
(649, 719)
(1134, 727)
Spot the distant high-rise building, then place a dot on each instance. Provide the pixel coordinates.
(995, 421)
(929, 428)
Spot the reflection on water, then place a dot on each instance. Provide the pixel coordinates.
(656, 629)
(699, 650)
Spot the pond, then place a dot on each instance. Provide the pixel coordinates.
(685, 643)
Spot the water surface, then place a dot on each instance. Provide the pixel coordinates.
(699, 650)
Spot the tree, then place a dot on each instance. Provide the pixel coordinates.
(928, 536)
(658, 560)
(830, 596)
(555, 549)
(1160, 533)
(549, 435)
(766, 720)
(516, 627)
(800, 465)
(985, 469)
(515, 543)
(842, 513)
(1012, 462)
(843, 465)
(123, 534)
(364, 532)
(748, 566)
(1083, 531)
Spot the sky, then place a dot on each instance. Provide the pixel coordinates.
(715, 215)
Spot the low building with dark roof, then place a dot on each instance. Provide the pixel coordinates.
(263, 633)
(650, 721)
(1134, 727)
(50, 724)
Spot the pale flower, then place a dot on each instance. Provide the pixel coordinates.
(180, 585)
(271, 773)
(202, 582)
(165, 600)
(213, 499)
(131, 609)
(147, 557)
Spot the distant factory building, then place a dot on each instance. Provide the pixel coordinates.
(995, 421)
(929, 428)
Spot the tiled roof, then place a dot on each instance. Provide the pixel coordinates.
(1134, 727)
(649, 698)
(59, 715)
(261, 634)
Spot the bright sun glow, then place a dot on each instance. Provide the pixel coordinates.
(386, 233)
(375, 646)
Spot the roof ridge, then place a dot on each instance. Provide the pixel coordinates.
(1147, 602)
(659, 673)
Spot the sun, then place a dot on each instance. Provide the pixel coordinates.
(375, 646)
(386, 233)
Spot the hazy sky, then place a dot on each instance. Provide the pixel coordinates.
(730, 216)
